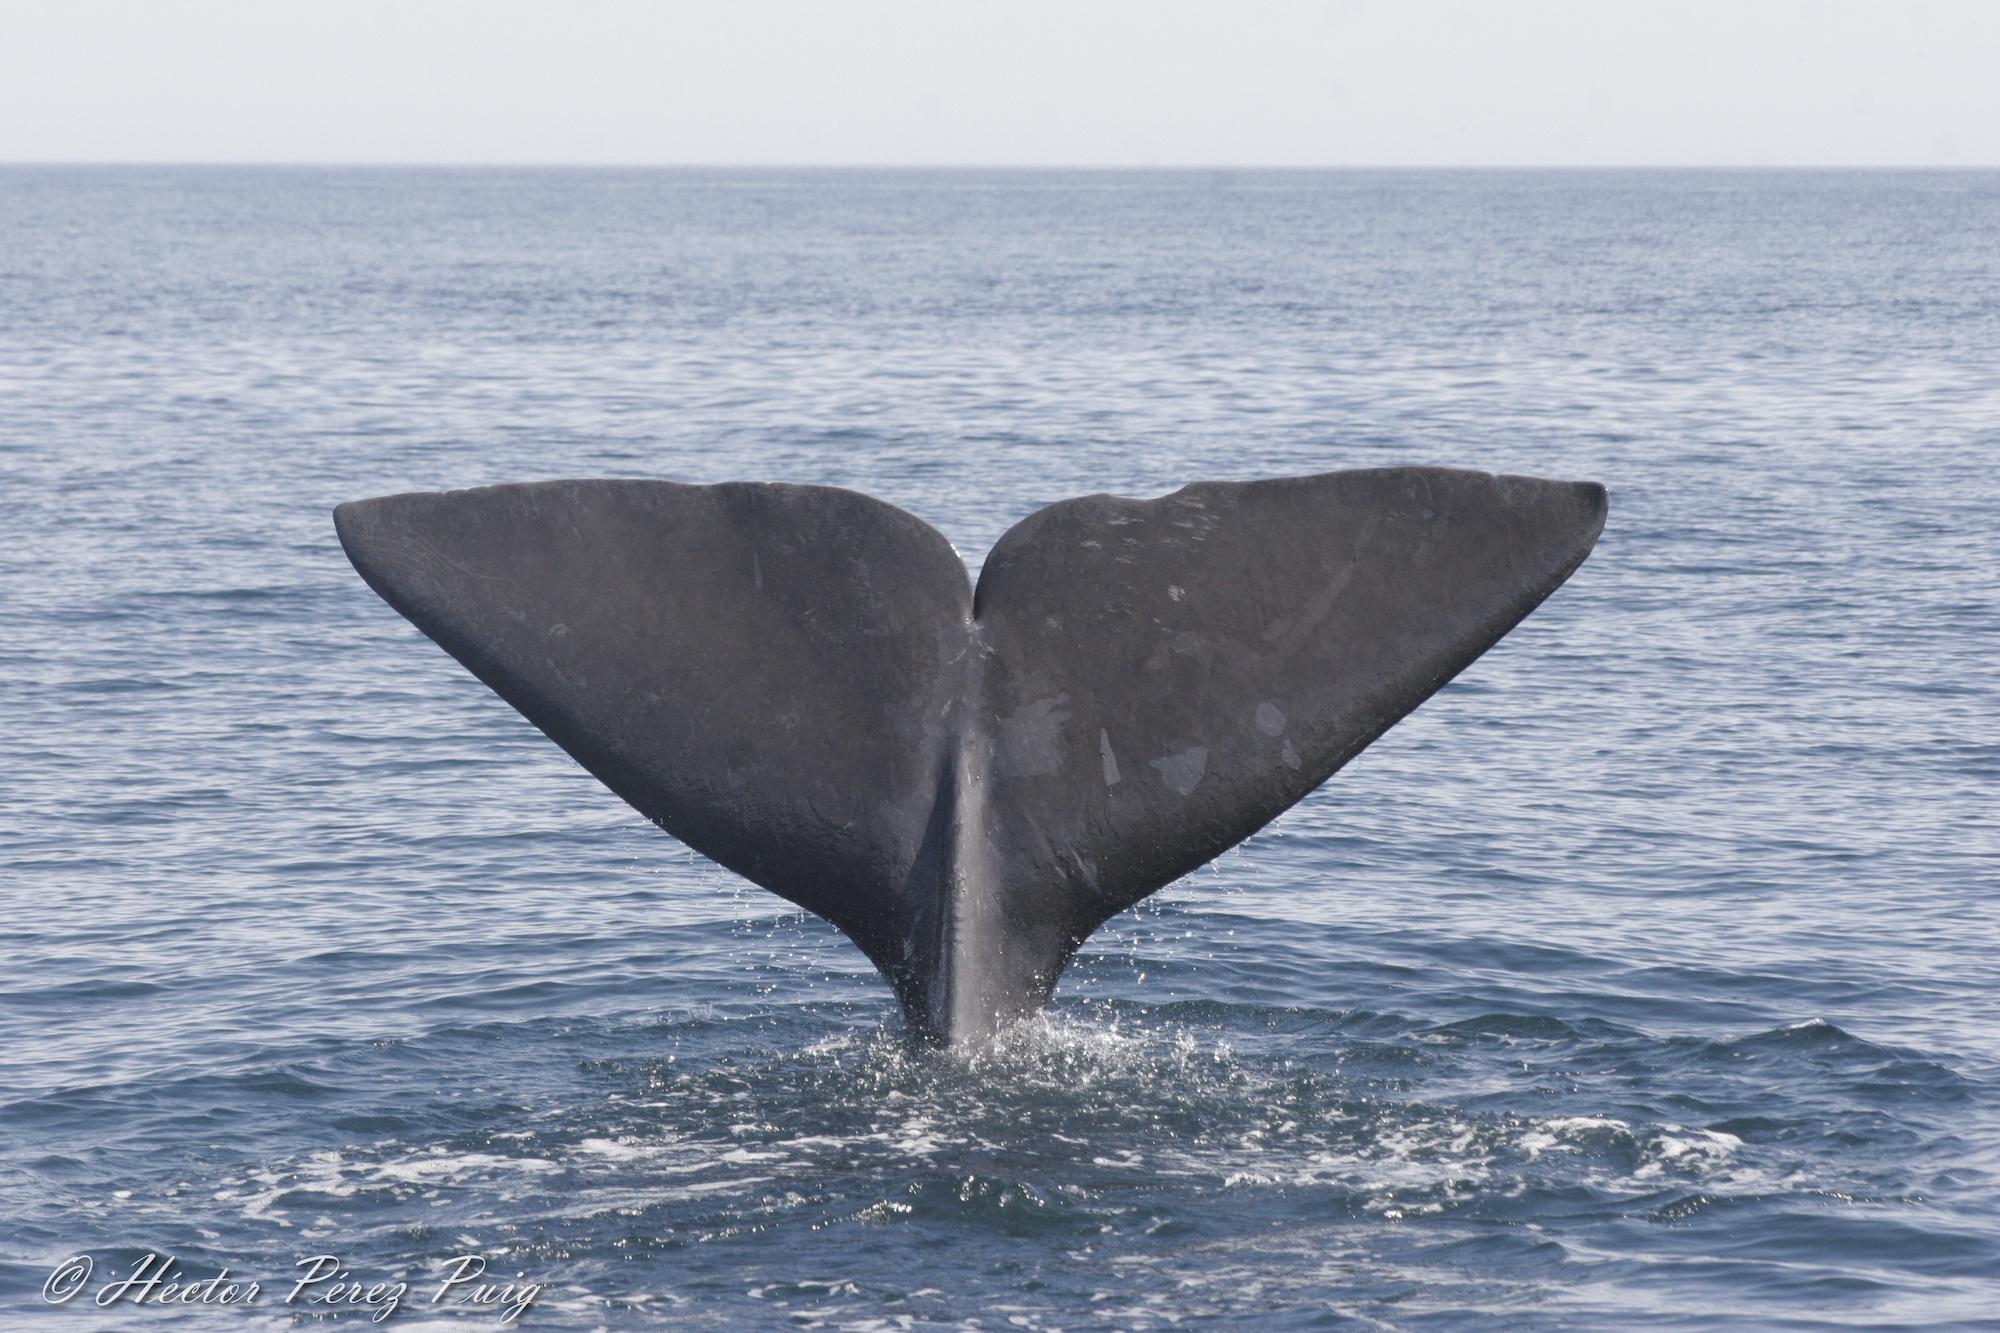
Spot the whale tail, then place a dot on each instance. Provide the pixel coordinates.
(801, 683)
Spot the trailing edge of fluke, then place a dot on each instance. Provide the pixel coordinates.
(802, 683)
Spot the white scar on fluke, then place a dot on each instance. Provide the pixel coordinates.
(803, 684)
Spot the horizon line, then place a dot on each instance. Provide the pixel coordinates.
(479, 164)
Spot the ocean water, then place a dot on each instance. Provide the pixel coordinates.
(1646, 977)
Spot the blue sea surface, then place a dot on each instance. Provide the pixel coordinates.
(1646, 977)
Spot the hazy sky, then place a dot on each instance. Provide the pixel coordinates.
(1002, 81)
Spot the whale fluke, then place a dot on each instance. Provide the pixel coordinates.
(801, 683)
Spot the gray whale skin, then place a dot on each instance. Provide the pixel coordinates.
(802, 683)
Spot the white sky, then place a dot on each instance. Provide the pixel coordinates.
(1115, 82)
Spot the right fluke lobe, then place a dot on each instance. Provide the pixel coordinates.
(798, 682)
